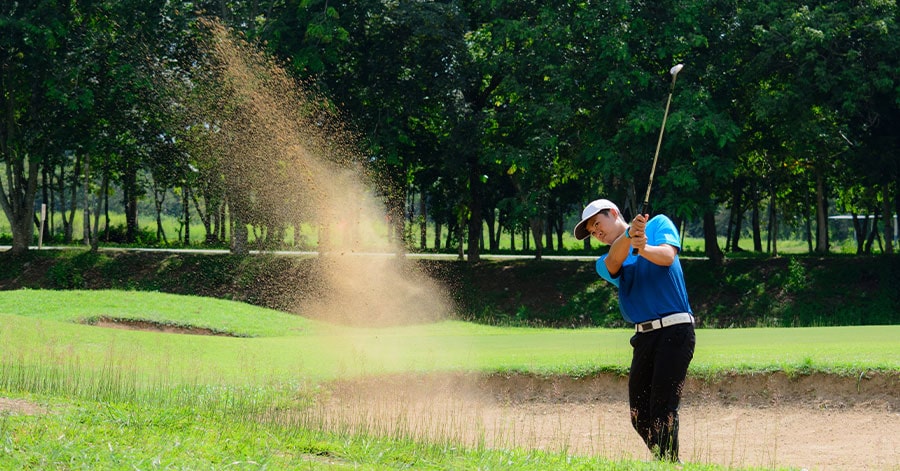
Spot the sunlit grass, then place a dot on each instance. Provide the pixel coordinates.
(118, 399)
(83, 306)
(46, 324)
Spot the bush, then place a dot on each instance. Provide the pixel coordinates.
(796, 291)
(69, 272)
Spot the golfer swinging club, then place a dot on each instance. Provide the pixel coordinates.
(652, 296)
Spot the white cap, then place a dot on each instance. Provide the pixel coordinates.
(589, 211)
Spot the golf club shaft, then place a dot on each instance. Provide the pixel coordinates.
(646, 204)
(656, 154)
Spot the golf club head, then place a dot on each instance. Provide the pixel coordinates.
(674, 70)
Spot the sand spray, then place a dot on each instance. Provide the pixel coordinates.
(285, 158)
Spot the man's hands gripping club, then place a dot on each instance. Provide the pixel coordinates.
(635, 238)
(636, 232)
(663, 255)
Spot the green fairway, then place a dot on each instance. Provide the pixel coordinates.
(45, 326)
(126, 399)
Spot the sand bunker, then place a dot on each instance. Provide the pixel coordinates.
(149, 326)
(811, 422)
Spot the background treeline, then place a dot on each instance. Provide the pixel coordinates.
(476, 115)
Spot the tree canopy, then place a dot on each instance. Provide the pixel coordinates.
(513, 113)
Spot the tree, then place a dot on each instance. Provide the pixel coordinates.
(39, 75)
(820, 70)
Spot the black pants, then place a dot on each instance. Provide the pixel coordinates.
(658, 369)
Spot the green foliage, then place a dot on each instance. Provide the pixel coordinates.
(118, 235)
(742, 292)
(796, 277)
(69, 272)
(795, 291)
(522, 111)
(595, 305)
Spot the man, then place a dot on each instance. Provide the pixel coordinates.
(653, 297)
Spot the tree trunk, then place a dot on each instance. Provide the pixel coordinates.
(63, 205)
(18, 199)
(897, 202)
(460, 228)
(809, 235)
(223, 219)
(98, 201)
(475, 219)
(502, 222)
(106, 212)
(757, 230)
(396, 203)
(69, 225)
(209, 217)
(860, 230)
(451, 232)
(873, 234)
(737, 216)
(537, 229)
(437, 235)
(821, 214)
(186, 214)
(773, 224)
(239, 235)
(46, 198)
(129, 195)
(526, 238)
(85, 192)
(216, 231)
(490, 217)
(159, 197)
(713, 252)
(888, 219)
(548, 235)
(423, 223)
(560, 230)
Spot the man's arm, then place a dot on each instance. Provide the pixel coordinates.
(618, 252)
(662, 255)
(621, 247)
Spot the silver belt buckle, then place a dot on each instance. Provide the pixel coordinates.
(646, 326)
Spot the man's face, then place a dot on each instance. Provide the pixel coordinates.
(603, 227)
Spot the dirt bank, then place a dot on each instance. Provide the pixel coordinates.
(812, 422)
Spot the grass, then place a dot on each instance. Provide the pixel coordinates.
(282, 346)
(80, 306)
(129, 436)
(119, 399)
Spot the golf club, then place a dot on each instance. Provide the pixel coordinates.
(674, 72)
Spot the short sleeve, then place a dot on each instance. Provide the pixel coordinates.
(661, 230)
(604, 272)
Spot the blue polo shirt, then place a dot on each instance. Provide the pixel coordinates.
(648, 291)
